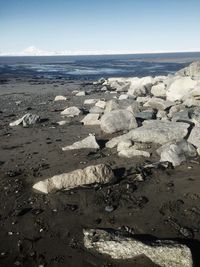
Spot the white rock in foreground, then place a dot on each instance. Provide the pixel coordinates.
(100, 174)
(132, 152)
(161, 252)
(88, 142)
(176, 153)
(91, 119)
(118, 120)
(153, 131)
(71, 112)
(60, 98)
(27, 120)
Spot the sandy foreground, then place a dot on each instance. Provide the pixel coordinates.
(47, 230)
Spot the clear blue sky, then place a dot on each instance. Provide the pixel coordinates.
(120, 25)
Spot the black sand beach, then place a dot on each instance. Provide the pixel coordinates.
(47, 230)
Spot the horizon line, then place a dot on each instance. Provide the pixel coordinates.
(99, 54)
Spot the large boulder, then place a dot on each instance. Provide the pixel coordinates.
(140, 86)
(158, 103)
(99, 174)
(118, 120)
(193, 70)
(88, 142)
(176, 152)
(179, 88)
(164, 253)
(154, 131)
(26, 121)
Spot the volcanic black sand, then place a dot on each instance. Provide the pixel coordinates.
(46, 230)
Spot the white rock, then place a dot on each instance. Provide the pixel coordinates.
(158, 103)
(164, 253)
(154, 131)
(71, 112)
(60, 98)
(123, 96)
(159, 90)
(124, 145)
(143, 99)
(90, 101)
(61, 123)
(101, 104)
(88, 142)
(100, 174)
(117, 120)
(179, 88)
(193, 70)
(104, 89)
(91, 119)
(27, 120)
(132, 152)
(140, 86)
(176, 153)
(96, 110)
(81, 93)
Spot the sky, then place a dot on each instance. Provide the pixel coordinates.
(98, 26)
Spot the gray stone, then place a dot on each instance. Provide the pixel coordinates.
(132, 152)
(164, 253)
(124, 145)
(71, 112)
(117, 120)
(27, 120)
(88, 142)
(91, 119)
(99, 174)
(96, 110)
(194, 137)
(176, 152)
(153, 131)
(193, 70)
(158, 103)
(145, 115)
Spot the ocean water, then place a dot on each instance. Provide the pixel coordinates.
(94, 67)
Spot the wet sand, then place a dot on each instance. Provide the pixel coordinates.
(46, 230)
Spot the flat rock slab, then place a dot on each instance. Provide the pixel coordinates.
(88, 142)
(100, 174)
(71, 112)
(154, 131)
(91, 119)
(162, 252)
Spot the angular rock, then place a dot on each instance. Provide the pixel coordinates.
(182, 116)
(91, 119)
(124, 145)
(158, 103)
(90, 101)
(195, 117)
(71, 112)
(180, 88)
(159, 90)
(164, 253)
(96, 110)
(27, 120)
(123, 97)
(117, 120)
(81, 93)
(61, 123)
(88, 142)
(154, 131)
(60, 98)
(100, 174)
(194, 137)
(176, 153)
(101, 104)
(193, 70)
(145, 115)
(132, 152)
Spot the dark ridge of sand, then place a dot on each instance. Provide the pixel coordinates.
(46, 230)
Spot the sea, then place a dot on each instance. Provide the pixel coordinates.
(95, 67)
